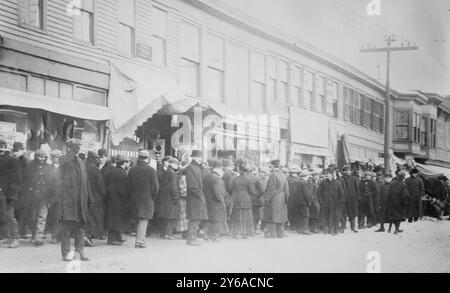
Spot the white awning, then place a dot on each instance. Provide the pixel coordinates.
(432, 170)
(60, 106)
(310, 150)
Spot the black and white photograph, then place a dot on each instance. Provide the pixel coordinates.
(226, 137)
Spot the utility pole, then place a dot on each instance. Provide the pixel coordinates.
(387, 120)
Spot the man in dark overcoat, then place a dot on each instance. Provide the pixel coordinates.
(275, 203)
(117, 198)
(9, 190)
(76, 197)
(369, 193)
(302, 202)
(350, 185)
(382, 201)
(416, 190)
(54, 210)
(37, 185)
(314, 208)
(228, 176)
(21, 210)
(215, 193)
(397, 201)
(257, 198)
(293, 211)
(196, 210)
(144, 188)
(168, 206)
(329, 193)
(95, 225)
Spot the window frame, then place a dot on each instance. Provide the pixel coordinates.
(221, 70)
(403, 125)
(157, 36)
(43, 18)
(132, 52)
(190, 60)
(92, 31)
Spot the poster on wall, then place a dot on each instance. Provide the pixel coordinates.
(88, 142)
(8, 133)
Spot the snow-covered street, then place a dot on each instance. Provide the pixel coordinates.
(423, 247)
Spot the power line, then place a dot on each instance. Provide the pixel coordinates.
(358, 15)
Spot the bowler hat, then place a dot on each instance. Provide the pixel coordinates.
(414, 171)
(197, 154)
(40, 153)
(17, 146)
(144, 154)
(275, 163)
(73, 141)
(3, 143)
(214, 163)
(122, 158)
(346, 168)
(102, 153)
(55, 153)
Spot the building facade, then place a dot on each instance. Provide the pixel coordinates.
(73, 63)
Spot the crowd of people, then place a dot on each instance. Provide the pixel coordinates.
(99, 197)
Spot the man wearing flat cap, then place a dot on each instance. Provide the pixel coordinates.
(144, 188)
(350, 185)
(117, 197)
(275, 207)
(215, 194)
(76, 197)
(196, 210)
(397, 201)
(416, 190)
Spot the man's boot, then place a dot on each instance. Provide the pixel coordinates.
(14, 243)
(83, 257)
(381, 229)
(390, 228)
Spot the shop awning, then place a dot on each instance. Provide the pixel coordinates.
(64, 107)
(432, 171)
(310, 150)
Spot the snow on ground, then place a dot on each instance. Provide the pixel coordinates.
(422, 247)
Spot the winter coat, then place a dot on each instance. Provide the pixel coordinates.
(314, 208)
(117, 196)
(37, 184)
(21, 163)
(397, 201)
(195, 199)
(369, 194)
(76, 195)
(302, 198)
(168, 206)
(257, 197)
(350, 186)
(144, 187)
(244, 189)
(276, 198)
(416, 190)
(227, 179)
(382, 202)
(215, 193)
(10, 178)
(95, 225)
(330, 195)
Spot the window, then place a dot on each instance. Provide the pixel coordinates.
(347, 104)
(368, 120)
(332, 98)
(258, 81)
(433, 130)
(308, 98)
(31, 12)
(358, 104)
(297, 87)
(376, 116)
(416, 127)
(272, 69)
(423, 132)
(238, 73)
(402, 125)
(159, 29)
(190, 58)
(381, 118)
(215, 67)
(320, 94)
(284, 85)
(90, 96)
(83, 21)
(126, 26)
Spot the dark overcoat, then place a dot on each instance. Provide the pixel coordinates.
(37, 184)
(397, 201)
(95, 225)
(144, 188)
(227, 178)
(369, 194)
(21, 163)
(9, 183)
(314, 208)
(196, 209)
(76, 192)
(117, 196)
(350, 186)
(168, 206)
(330, 195)
(258, 195)
(276, 198)
(416, 190)
(382, 202)
(244, 189)
(215, 193)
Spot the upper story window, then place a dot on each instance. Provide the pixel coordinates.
(83, 21)
(215, 75)
(159, 36)
(272, 72)
(190, 58)
(258, 85)
(358, 102)
(433, 131)
(31, 13)
(320, 94)
(126, 43)
(238, 69)
(368, 113)
(297, 84)
(424, 132)
(308, 97)
(349, 105)
(402, 125)
(332, 98)
(416, 127)
(284, 84)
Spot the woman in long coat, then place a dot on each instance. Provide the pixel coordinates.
(95, 225)
(275, 206)
(416, 190)
(241, 215)
(168, 207)
(116, 182)
(397, 201)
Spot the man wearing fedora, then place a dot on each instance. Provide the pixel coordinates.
(76, 197)
(350, 185)
(196, 210)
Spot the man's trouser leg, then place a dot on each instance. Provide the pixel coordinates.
(41, 219)
(193, 227)
(12, 227)
(352, 223)
(170, 226)
(78, 231)
(66, 233)
(270, 230)
(343, 223)
(280, 230)
(141, 231)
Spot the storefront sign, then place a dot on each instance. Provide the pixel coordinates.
(8, 133)
(88, 142)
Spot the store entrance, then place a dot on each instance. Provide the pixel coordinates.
(156, 134)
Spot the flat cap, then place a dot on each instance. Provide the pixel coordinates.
(40, 153)
(214, 163)
(197, 154)
(122, 158)
(56, 153)
(275, 163)
(144, 154)
(73, 141)
(17, 146)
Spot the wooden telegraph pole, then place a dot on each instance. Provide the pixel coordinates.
(388, 121)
